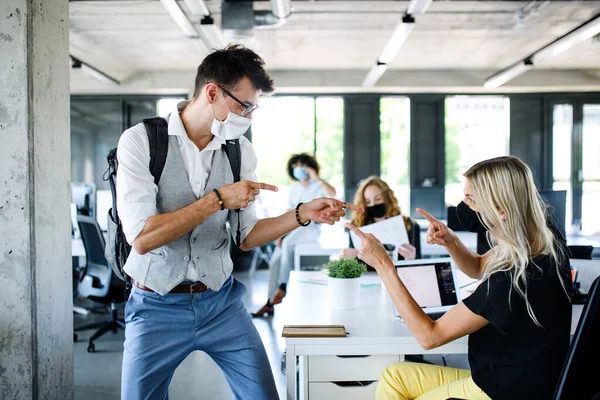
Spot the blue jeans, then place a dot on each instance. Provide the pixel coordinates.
(162, 330)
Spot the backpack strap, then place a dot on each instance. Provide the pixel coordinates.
(158, 137)
(234, 154)
(233, 151)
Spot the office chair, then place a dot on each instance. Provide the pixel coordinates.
(581, 252)
(261, 253)
(579, 379)
(99, 282)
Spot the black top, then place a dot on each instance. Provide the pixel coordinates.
(512, 358)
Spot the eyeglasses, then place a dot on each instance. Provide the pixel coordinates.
(248, 108)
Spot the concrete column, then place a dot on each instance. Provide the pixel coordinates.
(36, 322)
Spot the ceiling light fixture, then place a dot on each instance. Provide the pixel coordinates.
(399, 36)
(180, 19)
(197, 7)
(93, 72)
(401, 32)
(581, 33)
(418, 6)
(374, 74)
(212, 34)
(508, 74)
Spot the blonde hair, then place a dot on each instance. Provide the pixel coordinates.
(512, 208)
(391, 202)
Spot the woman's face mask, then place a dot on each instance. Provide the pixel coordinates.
(469, 219)
(376, 211)
(300, 173)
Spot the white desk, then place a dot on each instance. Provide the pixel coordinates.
(372, 328)
(372, 331)
(313, 249)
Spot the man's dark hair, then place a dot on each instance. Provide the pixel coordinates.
(301, 158)
(228, 66)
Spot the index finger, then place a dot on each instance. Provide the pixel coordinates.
(427, 216)
(332, 203)
(361, 235)
(350, 206)
(263, 186)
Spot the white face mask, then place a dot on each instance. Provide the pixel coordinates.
(232, 128)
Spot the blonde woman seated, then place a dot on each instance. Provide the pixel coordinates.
(379, 203)
(518, 319)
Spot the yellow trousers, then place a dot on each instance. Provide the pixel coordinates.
(408, 381)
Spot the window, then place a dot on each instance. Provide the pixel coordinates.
(562, 128)
(329, 141)
(590, 218)
(287, 125)
(395, 147)
(477, 128)
(166, 105)
(96, 125)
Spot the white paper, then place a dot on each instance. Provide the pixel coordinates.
(388, 231)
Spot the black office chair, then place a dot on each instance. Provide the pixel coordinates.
(415, 237)
(579, 377)
(581, 252)
(98, 282)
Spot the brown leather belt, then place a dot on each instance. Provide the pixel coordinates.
(189, 289)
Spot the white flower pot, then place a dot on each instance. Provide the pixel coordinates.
(344, 294)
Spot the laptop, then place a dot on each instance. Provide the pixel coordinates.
(432, 283)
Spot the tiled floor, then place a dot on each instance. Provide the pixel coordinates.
(98, 375)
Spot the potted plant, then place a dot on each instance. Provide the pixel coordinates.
(344, 283)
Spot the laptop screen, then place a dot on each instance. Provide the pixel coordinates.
(431, 284)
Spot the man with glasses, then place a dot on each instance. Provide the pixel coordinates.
(184, 298)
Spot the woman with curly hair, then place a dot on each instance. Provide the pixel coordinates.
(304, 169)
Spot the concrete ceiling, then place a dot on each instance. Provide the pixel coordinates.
(454, 45)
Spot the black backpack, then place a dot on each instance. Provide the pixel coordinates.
(117, 249)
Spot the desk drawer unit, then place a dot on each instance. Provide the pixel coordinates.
(348, 368)
(331, 390)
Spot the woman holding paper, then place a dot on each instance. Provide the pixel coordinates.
(518, 319)
(380, 204)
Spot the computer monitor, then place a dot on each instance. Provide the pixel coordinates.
(103, 204)
(84, 197)
(557, 200)
(431, 282)
(74, 226)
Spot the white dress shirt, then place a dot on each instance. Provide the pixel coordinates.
(136, 190)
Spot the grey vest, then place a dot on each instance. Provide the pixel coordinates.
(206, 247)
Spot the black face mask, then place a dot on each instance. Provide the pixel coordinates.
(469, 219)
(376, 211)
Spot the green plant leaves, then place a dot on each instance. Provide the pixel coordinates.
(345, 268)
